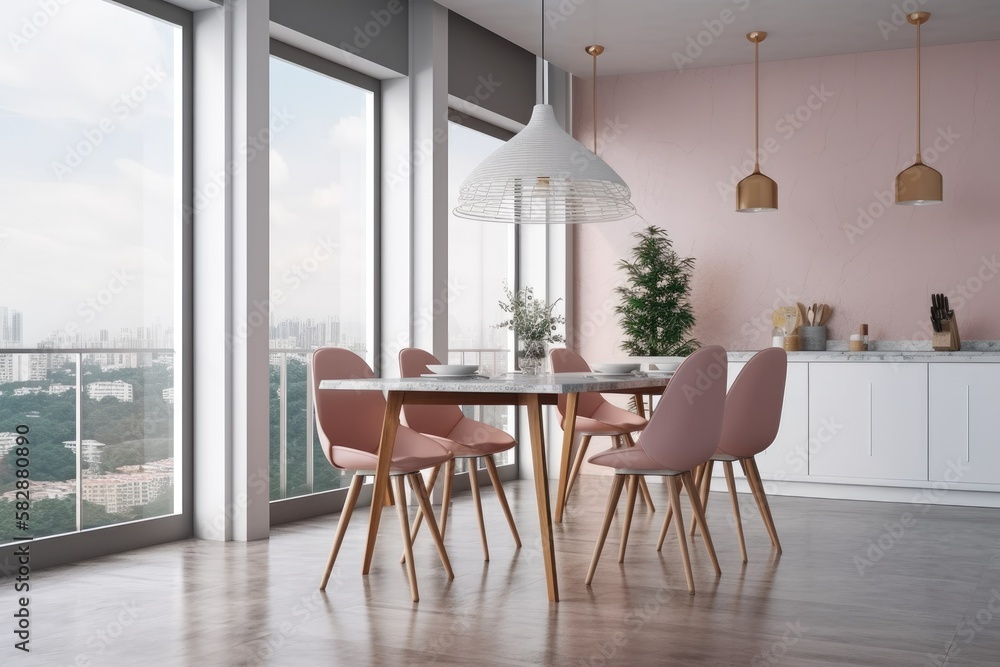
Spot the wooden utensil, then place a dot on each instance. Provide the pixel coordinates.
(802, 314)
(778, 318)
(810, 316)
(826, 312)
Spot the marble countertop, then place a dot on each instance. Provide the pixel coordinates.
(511, 383)
(985, 351)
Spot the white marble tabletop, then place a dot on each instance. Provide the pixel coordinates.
(512, 383)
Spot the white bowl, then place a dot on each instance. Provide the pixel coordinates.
(453, 369)
(667, 366)
(615, 369)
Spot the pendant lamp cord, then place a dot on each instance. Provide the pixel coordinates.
(595, 103)
(756, 106)
(542, 26)
(919, 159)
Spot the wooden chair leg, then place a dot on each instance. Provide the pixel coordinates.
(666, 526)
(751, 470)
(703, 489)
(698, 511)
(420, 513)
(581, 452)
(420, 491)
(675, 503)
(633, 487)
(491, 468)
(609, 513)
(345, 518)
(478, 502)
(404, 522)
(646, 497)
(731, 483)
(449, 478)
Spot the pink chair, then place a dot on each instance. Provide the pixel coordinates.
(465, 438)
(350, 428)
(753, 415)
(682, 434)
(594, 417)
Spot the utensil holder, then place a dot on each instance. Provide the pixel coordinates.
(947, 340)
(813, 338)
(793, 343)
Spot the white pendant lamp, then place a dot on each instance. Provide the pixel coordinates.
(756, 193)
(544, 176)
(919, 184)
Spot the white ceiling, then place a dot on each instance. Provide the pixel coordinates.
(644, 35)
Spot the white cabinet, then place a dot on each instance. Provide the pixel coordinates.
(788, 455)
(868, 420)
(965, 423)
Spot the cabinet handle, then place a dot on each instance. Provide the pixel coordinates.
(871, 412)
(968, 422)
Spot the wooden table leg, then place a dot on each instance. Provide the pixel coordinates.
(388, 440)
(640, 405)
(542, 493)
(569, 433)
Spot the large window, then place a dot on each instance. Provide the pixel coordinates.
(91, 238)
(481, 258)
(323, 227)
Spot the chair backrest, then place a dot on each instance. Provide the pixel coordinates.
(431, 419)
(565, 360)
(346, 418)
(753, 405)
(684, 429)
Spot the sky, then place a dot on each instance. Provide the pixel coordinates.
(89, 179)
(87, 169)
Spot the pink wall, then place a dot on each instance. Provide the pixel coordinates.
(683, 135)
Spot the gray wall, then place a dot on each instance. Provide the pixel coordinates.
(376, 30)
(487, 70)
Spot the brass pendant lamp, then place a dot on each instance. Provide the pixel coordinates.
(756, 193)
(595, 50)
(919, 184)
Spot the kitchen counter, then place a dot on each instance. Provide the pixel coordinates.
(977, 351)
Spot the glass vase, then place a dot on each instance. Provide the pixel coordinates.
(532, 357)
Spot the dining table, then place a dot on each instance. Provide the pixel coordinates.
(528, 391)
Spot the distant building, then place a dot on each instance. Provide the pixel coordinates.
(27, 391)
(120, 492)
(11, 332)
(116, 389)
(168, 395)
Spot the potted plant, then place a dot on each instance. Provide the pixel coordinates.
(533, 324)
(655, 307)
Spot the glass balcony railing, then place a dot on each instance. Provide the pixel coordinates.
(298, 466)
(87, 439)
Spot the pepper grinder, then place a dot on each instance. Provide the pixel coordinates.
(864, 337)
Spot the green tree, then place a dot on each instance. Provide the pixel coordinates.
(655, 307)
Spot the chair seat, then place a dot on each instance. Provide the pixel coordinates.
(412, 452)
(631, 461)
(722, 456)
(471, 438)
(609, 420)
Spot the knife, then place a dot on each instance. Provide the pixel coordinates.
(934, 320)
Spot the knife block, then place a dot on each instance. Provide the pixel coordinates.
(947, 340)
